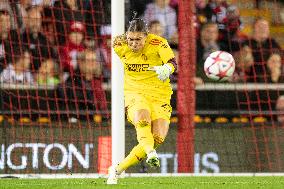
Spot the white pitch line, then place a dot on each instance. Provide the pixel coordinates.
(95, 176)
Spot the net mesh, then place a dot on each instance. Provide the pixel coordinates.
(243, 116)
(55, 69)
(55, 96)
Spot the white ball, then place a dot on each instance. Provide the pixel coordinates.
(219, 66)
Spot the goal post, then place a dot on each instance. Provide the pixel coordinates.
(117, 96)
(186, 108)
(186, 88)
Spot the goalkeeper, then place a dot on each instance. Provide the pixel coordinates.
(148, 62)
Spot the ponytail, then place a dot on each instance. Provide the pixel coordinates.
(137, 25)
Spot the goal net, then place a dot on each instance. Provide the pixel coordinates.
(55, 74)
(55, 96)
(238, 124)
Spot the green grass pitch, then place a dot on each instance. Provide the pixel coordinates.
(149, 183)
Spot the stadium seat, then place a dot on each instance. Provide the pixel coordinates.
(24, 120)
(97, 118)
(43, 120)
(244, 119)
(221, 120)
(236, 120)
(10, 120)
(248, 16)
(198, 119)
(207, 120)
(174, 119)
(259, 119)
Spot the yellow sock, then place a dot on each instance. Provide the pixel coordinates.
(145, 136)
(158, 140)
(136, 155)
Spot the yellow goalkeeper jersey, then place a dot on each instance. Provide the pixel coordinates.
(137, 77)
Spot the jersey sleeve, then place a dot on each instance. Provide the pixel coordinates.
(120, 50)
(119, 45)
(165, 51)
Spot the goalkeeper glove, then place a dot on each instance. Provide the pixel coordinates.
(163, 71)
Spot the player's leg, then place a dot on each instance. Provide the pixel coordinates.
(160, 129)
(161, 120)
(139, 114)
(142, 122)
(141, 119)
(136, 155)
(145, 139)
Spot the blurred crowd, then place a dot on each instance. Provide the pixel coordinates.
(220, 26)
(67, 43)
(54, 32)
(64, 44)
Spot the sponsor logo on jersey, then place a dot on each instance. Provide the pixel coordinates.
(155, 42)
(137, 67)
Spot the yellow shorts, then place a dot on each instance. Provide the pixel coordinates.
(158, 109)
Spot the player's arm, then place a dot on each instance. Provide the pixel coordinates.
(167, 55)
(119, 40)
(168, 58)
(173, 64)
(119, 43)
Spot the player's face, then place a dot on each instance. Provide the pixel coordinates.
(136, 40)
